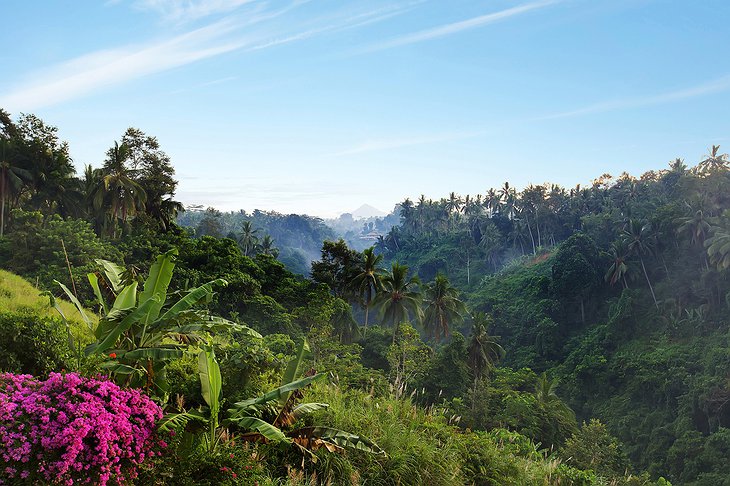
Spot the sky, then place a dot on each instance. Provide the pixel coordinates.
(318, 106)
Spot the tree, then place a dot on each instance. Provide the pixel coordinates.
(400, 298)
(248, 239)
(369, 279)
(211, 224)
(443, 307)
(713, 162)
(267, 246)
(337, 268)
(618, 269)
(638, 237)
(718, 245)
(119, 195)
(12, 176)
(484, 350)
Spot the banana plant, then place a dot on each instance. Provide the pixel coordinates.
(281, 407)
(211, 386)
(140, 331)
(249, 416)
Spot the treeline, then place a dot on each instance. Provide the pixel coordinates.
(478, 235)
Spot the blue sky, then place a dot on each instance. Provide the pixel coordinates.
(317, 106)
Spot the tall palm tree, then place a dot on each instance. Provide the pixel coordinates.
(718, 245)
(368, 281)
(400, 298)
(443, 307)
(248, 239)
(118, 194)
(484, 350)
(12, 176)
(639, 240)
(695, 225)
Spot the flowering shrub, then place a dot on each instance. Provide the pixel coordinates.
(73, 430)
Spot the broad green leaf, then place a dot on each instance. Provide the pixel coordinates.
(246, 406)
(293, 369)
(191, 299)
(210, 379)
(262, 427)
(133, 317)
(113, 273)
(338, 437)
(76, 302)
(94, 281)
(157, 283)
(120, 369)
(305, 408)
(127, 298)
(178, 420)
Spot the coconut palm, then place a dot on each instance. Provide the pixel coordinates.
(718, 245)
(618, 269)
(400, 299)
(12, 176)
(368, 281)
(118, 194)
(695, 225)
(267, 246)
(639, 240)
(248, 239)
(484, 350)
(713, 162)
(443, 307)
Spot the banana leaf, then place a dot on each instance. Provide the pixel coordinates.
(262, 427)
(76, 302)
(293, 369)
(252, 404)
(113, 273)
(338, 437)
(111, 337)
(157, 283)
(94, 281)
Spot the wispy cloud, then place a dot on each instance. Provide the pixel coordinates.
(461, 26)
(376, 145)
(102, 69)
(181, 11)
(718, 85)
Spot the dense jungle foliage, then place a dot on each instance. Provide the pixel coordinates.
(548, 337)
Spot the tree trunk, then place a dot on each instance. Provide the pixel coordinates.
(651, 289)
(582, 311)
(367, 309)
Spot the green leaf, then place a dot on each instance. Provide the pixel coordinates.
(192, 298)
(113, 273)
(127, 298)
(339, 438)
(246, 406)
(111, 337)
(94, 281)
(76, 302)
(293, 369)
(305, 408)
(178, 420)
(262, 427)
(210, 379)
(157, 283)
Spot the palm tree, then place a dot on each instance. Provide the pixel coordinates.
(400, 298)
(12, 176)
(638, 238)
(248, 238)
(714, 162)
(718, 245)
(618, 269)
(443, 307)
(368, 281)
(484, 350)
(267, 246)
(696, 225)
(118, 190)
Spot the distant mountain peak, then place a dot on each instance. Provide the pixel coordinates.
(367, 211)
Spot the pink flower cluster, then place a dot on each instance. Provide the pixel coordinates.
(73, 430)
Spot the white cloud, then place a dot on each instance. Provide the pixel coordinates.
(102, 69)
(711, 87)
(376, 145)
(456, 27)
